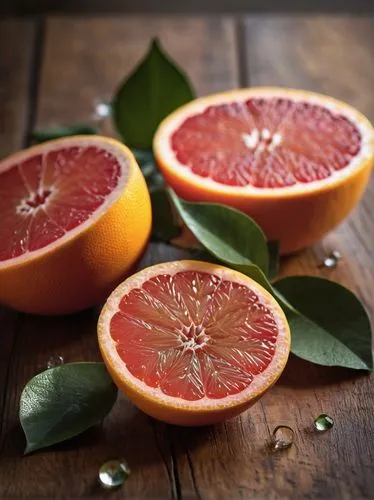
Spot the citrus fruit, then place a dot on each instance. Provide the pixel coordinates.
(295, 161)
(193, 343)
(75, 217)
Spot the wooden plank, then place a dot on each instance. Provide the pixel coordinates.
(230, 460)
(233, 460)
(334, 56)
(96, 60)
(16, 50)
(16, 46)
(84, 59)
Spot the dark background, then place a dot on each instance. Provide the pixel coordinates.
(35, 7)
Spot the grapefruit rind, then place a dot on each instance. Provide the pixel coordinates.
(167, 160)
(82, 269)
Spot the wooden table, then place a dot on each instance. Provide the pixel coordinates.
(53, 71)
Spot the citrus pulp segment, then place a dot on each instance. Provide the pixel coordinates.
(295, 161)
(193, 343)
(75, 218)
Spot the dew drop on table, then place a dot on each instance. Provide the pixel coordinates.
(331, 261)
(113, 473)
(55, 361)
(282, 438)
(323, 422)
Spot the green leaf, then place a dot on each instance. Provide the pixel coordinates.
(155, 89)
(253, 272)
(273, 249)
(164, 224)
(228, 234)
(203, 255)
(62, 402)
(39, 136)
(147, 164)
(329, 325)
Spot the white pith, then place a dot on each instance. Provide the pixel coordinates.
(108, 145)
(193, 338)
(168, 157)
(255, 140)
(260, 382)
(23, 208)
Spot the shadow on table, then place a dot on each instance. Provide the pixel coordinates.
(73, 337)
(302, 374)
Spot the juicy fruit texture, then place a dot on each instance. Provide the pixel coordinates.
(75, 219)
(193, 343)
(266, 143)
(47, 195)
(297, 162)
(215, 335)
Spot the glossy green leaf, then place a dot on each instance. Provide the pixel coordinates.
(155, 89)
(39, 136)
(164, 224)
(228, 234)
(62, 402)
(252, 271)
(329, 325)
(203, 255)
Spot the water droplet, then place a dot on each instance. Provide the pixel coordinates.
(102, 110)
(55, 361)
(331, 261)
(282, 437)
(323, 422)
(337, 255)
(114, 473)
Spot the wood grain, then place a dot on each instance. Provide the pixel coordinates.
(16, 52)
(77, 71)
(233, 460)
(87, 67)
(333, 56)
(84, 59)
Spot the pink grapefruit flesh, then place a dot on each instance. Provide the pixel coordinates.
(195, 335)
(45, 196)
(266, 143)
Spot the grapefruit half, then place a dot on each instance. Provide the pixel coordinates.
(193, 343)
(295, 161)
(75, 218)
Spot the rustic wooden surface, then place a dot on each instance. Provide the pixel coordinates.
(53, 71)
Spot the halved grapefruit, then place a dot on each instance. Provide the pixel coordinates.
(193, 343)
(75, 217)
(295, 161)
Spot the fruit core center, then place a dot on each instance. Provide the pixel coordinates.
(34, 202)
(262, 140)
(193, 337)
